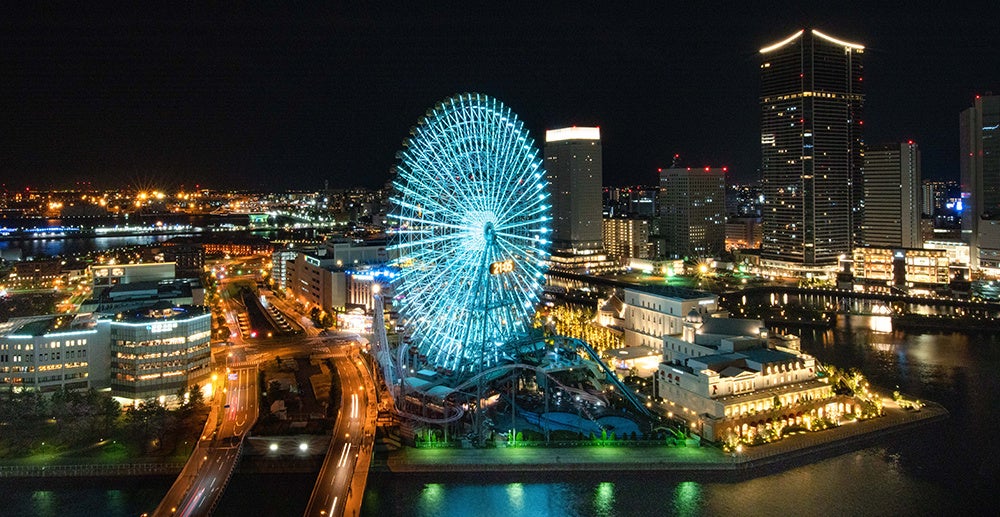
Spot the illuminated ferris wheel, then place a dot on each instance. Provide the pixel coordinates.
(471, 236)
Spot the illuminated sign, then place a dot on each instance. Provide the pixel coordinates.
(117, 272)
(499, 268)
(162, 326)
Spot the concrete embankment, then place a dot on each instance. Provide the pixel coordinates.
(120, 470)
(788, 452)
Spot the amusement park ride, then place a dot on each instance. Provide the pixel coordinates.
(470, 240)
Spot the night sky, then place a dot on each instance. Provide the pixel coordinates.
(284, 99)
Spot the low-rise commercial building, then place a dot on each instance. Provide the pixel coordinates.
(318, 277)
(902, 267)
(48, 353)
(156, 352)
(116, 274)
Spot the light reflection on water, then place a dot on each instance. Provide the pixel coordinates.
(866, 482)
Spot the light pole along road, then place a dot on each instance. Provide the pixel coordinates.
(340, 486)
(200, 485)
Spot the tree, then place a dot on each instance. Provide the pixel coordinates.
(149, 422)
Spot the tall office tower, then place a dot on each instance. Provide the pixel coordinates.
(811, 146)
(693, 212)
(573, 167)
(980, 168)
(892, 198)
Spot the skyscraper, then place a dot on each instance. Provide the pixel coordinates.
(811, 146)
(693, 212)
(980, 167)
(892, 196)
(573, 167)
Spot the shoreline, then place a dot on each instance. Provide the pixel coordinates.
(625, 458)
(785, 453)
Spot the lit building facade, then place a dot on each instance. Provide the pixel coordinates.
(892, 196)
(116, 274)
(743, 233)
(626, 238)
(811, 149)
(573, 166)
(693, 212)
(156, 352)
(280, 267)
(652, 312)
(361, 284)
(36, 274)
(318, 278)
(902, 267)
(980, 171)
(724, 377)
(48, 353)
(188, 257)
(958, 252)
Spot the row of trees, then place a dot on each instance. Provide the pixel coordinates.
(68, 420)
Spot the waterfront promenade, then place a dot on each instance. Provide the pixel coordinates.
(645, 458)
(800, 447)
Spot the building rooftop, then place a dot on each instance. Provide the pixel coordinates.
(614, 304)
(767, 356)
(672, 291)
(161, 312)
(43, 325)
(731, 327)
(631, 352)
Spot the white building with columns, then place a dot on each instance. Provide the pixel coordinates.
(652, 312)
(732, 381)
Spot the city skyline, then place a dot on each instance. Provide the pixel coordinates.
(282, 99)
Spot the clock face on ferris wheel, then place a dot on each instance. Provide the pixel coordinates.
(471, 232)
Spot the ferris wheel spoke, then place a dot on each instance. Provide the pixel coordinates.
(425, 242)
(535, 223)
(533, 240)
(525, 199)
(433, 222)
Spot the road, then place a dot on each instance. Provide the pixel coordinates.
(200, 484)
(340, 486)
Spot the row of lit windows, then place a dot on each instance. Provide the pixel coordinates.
(156, 342)
(52, 367)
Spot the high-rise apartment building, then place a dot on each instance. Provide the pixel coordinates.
(980, 168)
(811, 146)
(573, 168)
(693, 212)
(892, 198)
(928, 192)
(627, 238)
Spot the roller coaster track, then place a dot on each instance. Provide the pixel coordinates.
(392, 370)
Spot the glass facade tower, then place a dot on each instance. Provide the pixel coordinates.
(811, 149)
(980, 167)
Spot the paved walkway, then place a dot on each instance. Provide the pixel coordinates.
(628, 458)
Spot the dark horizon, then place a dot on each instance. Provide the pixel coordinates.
(287, 100)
